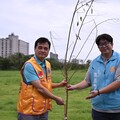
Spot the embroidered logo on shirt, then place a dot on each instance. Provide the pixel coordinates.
(112, 69)
(40, 74)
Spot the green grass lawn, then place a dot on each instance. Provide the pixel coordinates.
(78, 107)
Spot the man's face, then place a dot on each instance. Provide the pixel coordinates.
(105, 47)
(42, 50)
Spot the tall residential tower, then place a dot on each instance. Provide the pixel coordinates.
(12, 45)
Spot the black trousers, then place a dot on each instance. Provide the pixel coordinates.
(105, 116)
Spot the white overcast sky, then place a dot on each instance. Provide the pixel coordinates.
(31, 19)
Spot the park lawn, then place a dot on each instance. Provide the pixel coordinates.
(78, 107)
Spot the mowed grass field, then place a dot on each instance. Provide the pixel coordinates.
(78, 107)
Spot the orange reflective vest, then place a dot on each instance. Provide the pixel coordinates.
(30, 101)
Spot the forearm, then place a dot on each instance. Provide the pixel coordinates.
(46, 93)
(81, 85)
(63, 83)
(55, 85)
(111, 87)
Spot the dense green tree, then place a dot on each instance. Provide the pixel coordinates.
(55, 64)
(5, 64)
(15, 62)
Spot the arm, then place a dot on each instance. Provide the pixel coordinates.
(31, 77)
(114, 85)
(61, 84)
(46, 93)
(110, 88)
(78, 86)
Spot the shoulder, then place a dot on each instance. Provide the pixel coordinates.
(98, 58)
(28, 67)
(116, 56)
(47, 62)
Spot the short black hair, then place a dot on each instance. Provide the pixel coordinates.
(42, 40)
(104, 36)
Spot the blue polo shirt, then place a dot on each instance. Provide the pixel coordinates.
(29, 71)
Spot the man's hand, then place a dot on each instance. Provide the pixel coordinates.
(59, 100)
(71, 87)
(63, 83)
(92, 94)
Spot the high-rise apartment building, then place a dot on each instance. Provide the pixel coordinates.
(12, 45)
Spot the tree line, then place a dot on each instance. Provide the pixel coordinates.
(15, 62)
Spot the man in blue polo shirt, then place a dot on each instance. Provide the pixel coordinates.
(36, 85)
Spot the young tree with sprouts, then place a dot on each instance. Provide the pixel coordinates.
(82, 17)
(81, 11)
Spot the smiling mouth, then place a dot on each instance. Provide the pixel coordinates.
(42, 54)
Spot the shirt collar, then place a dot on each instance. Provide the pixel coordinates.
(39, 62)
(102, 59)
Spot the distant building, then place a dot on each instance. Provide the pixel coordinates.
(12, 45)
(75, 61)
(62, 60)
(54, 56)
